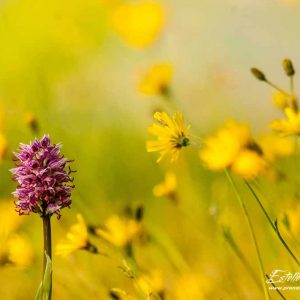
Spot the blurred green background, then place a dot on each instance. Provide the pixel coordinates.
(63, 62)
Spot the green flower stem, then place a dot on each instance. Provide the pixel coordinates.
(238, 252)
(292, 84)
(273, 225)
(47, 246)
(251, 230)
(277, 88)
(278, 291)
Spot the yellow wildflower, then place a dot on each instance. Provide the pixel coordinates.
(283, 101)
(171, 134)
(157, 80)
(222, 149)
(76, 239)
(119, 231)
(19, 251)
(233, 147)
(191, 287)
(275, 146)
(119, 294)
(10, 221)
(290, 219)
(249, 164)
(167, 188)
(139, 24)
(3, 146)
(152, 283)
(31, 121)
(289, 125)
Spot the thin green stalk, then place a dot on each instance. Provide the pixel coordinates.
(260, 205)
(236, 249)
(273, 225)
(47, 247)
(251, 230)
(274, 285)
(292, 84)
(277, 88)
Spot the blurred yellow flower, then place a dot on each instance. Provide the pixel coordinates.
(76, 239)
(3, 146)
(289, 125)
(222, 149)
(31, 121)
(292, 221)
(167, 188)
(249, 164)
(192, 287)
(152, 283)
(139, 24)
(119, 294)
(157, 80)
(171, 134)
(282, 101)
(10, 220)
(233, 147)
(19, 251)
(275, 146)
(119, 231)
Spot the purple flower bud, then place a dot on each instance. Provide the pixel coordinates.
(45, 141)
(43, 175)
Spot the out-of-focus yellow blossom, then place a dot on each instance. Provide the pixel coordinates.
(292, 221)
(233, 147)
(249, 164)
(139, 24)
(171, 135)
(76, 239)
(152, 283)
(191, 287)
(283, 101)
(120, 231)
(275, 146)
(222, 149)
(167, 188)
(31, 121)
(289, 125)
(3, 146)
(157, 80)
(119, 294)
(19, 251)
(10, 221)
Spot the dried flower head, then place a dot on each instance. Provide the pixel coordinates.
(44, 182)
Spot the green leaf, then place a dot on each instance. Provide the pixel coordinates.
(44, 290)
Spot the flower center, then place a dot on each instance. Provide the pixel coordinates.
(182, 141)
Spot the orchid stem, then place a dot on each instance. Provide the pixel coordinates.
(47, 246)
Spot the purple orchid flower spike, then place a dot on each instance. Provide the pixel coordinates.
(43, 176)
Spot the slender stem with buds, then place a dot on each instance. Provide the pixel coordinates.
(251, 230)
(278, 88)
(238, 252)
(273, 225)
